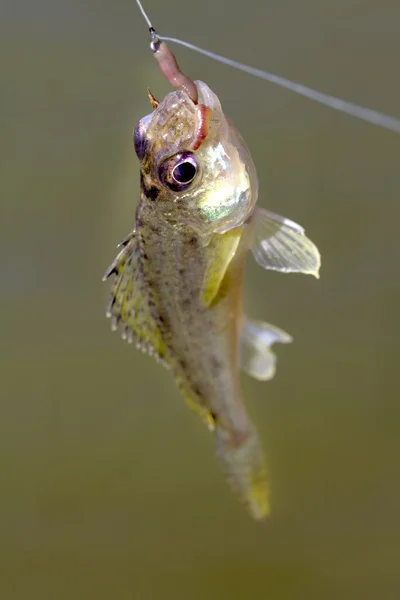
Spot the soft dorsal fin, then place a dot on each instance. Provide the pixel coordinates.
(129, 304)
(281, 245)
(256, 357)
(221, 250)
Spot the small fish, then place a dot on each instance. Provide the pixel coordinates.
(177, 293)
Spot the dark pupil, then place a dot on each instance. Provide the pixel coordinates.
(184, 172)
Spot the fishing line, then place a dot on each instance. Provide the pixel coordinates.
(355, 110)
(146, 18)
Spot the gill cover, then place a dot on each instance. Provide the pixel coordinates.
(229, 181)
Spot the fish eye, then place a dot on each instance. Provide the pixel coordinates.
(184, 172)
(178, 172)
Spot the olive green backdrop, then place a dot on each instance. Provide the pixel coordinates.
(108, 484)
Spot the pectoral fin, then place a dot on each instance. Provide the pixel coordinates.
(281, 245)
(128, 304)
(221, 250)
(256, 357)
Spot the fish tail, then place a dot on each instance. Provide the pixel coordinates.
(242, 461)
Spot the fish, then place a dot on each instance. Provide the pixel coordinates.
(178, 287)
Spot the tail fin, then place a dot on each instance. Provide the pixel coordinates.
(243, 463)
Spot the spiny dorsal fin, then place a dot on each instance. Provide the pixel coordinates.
(129, 304)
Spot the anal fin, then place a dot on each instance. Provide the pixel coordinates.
(256, 356)
(195, 404)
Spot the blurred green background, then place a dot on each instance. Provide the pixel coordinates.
(108, 484)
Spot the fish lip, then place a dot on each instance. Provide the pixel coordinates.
(139, 136)
(143, 123)
(207, 97)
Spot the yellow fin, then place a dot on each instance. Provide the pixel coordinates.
(221, 249)
(203, 412)
(195, 404)
(129, 302)
(244, 467)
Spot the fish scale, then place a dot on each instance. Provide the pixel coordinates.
(191, 331)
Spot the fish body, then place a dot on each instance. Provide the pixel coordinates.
(193, 271)
(179, 275)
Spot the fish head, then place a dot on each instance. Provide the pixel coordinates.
(195, 164)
